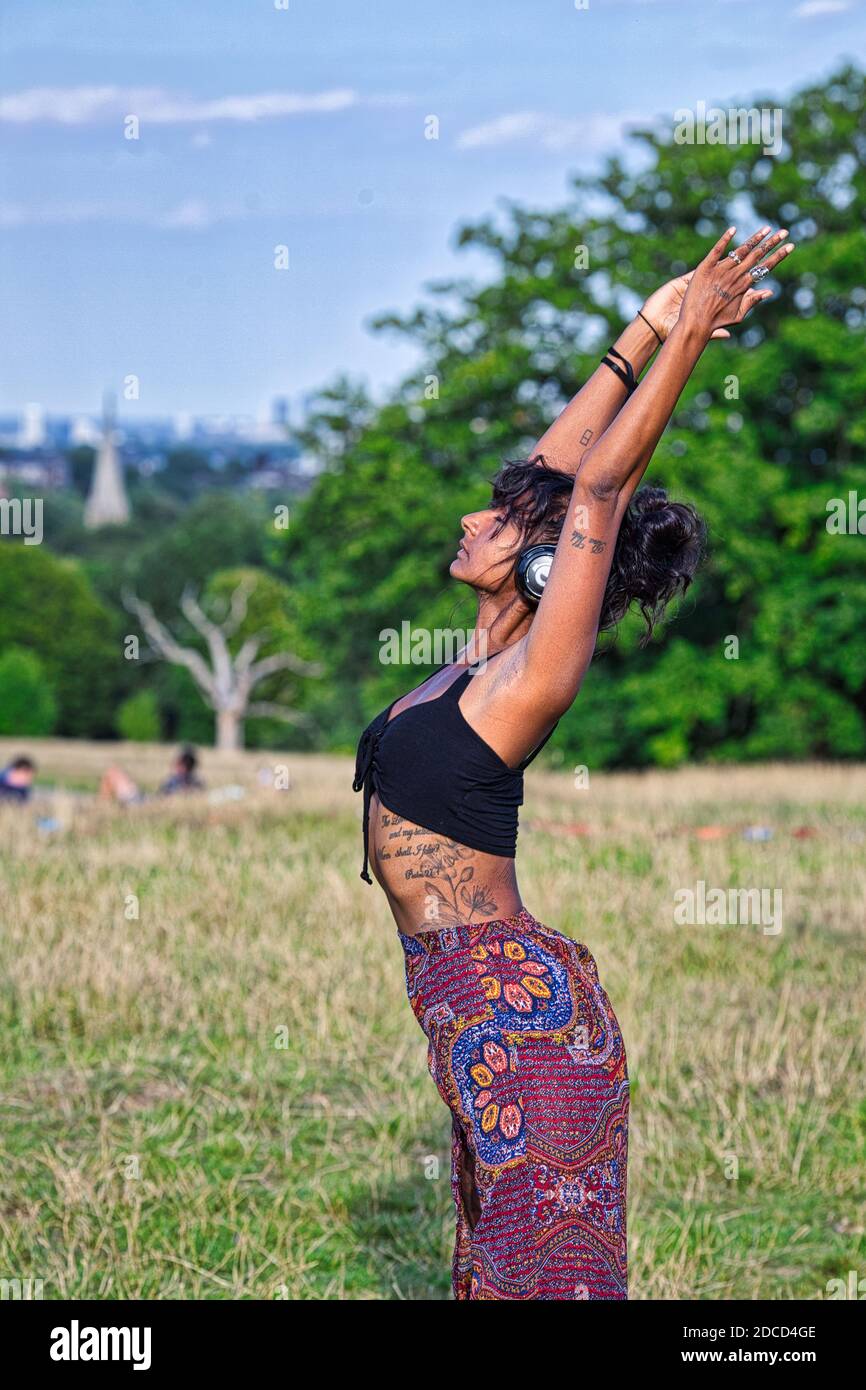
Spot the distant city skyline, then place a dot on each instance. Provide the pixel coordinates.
(35, 450)
(35, 428)
(27, 425)
(258, 127)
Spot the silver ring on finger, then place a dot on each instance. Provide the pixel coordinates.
(732, 255)
(758, 272)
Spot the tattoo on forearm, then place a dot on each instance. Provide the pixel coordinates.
(586, 437)
(579, 540)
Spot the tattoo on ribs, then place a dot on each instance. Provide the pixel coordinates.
(453, 895)
(579, 540)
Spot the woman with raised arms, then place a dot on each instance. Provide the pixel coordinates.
(523, 1043)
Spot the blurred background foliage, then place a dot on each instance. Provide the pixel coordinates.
(760, 466)
(771, 427)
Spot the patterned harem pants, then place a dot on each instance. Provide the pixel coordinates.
(527, 1054)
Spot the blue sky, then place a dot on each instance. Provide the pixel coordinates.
(304, 126)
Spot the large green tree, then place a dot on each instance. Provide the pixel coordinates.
(50, 610)
(27, 703)
(770, 429)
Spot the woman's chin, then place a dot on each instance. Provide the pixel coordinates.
(457, 568)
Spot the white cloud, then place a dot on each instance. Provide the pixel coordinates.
(18, 215)
(88, 105)
(190, 215)
(587, 134)
(811, 8)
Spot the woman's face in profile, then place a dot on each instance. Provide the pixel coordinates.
(486, 555)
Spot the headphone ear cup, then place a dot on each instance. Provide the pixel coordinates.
(533, 567)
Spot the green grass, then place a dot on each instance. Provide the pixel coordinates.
(158, 1140)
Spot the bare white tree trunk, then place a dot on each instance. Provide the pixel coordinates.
(227, 681)
(229, 731)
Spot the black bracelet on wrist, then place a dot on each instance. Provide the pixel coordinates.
(649, 325)
(627, 377)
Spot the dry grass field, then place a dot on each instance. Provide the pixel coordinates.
(213, 1087)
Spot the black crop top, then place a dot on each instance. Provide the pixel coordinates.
(429, 766)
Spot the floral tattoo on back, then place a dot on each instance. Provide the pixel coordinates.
(444, 865)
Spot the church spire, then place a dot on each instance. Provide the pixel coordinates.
(107, 504)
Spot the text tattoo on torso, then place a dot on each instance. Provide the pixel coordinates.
(453, 894)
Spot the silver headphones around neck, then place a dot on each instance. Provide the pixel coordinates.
(533, 567)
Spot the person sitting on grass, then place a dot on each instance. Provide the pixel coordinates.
(16, 780)
(117, 785)
(183, 776)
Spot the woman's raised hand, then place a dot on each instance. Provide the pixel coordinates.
(662, 309)
(722, 290)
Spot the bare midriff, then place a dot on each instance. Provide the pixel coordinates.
(431, 881)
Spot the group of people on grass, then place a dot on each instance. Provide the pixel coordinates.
(16, 780)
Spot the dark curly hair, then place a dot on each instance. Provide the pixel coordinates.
(659, 546)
